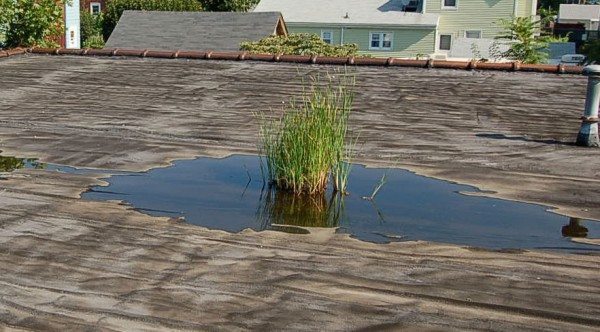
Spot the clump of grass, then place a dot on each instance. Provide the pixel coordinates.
(306, 146)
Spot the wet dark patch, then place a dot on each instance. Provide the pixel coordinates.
(229, 194)
(503, 250)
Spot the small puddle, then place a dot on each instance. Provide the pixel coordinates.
(229, 194)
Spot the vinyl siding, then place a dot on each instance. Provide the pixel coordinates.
(524, 8)
(406, 42)
(317, 31)
(481, 15)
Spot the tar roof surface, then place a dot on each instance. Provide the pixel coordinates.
(470, 126)
(222, 31)
(71, 264)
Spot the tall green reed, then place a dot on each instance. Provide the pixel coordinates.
(307, 145)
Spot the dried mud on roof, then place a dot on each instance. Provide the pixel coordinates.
(67, 262)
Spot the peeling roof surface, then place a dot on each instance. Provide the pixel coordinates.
(221, 31)
(360, 12)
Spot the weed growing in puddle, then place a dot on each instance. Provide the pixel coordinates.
(307, 145)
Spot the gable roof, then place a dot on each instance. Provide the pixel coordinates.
(360, 12)
(579, 12)
(202, 31)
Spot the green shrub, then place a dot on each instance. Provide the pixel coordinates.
(591, 49)
(95, 41)
(91, 29)
(228, 5)
(307, 145)
(298, 44)
(524, 46)
(114, 9)
(31, 22)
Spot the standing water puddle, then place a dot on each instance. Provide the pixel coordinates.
(229, 194)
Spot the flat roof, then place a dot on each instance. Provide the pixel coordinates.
(579, 12)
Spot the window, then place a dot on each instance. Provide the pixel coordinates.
(380, 41)
(449, 4)
(327, 36)
(95, 8)
(445, 42)
(473, 34)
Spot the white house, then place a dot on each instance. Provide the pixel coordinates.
(401, 28)
(72, 25)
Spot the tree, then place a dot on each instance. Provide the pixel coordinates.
(550, 4)
(298, 44)
(591, 49)
(524, 46)
(115, 8)
(228, 5)
(29, 23)
(91, 30)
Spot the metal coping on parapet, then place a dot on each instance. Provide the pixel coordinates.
(306, 59)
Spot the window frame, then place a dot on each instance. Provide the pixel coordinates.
(98, 4)
(478, 31)
(381, 38)
(323, 32)
(444, 7)
(440, 42)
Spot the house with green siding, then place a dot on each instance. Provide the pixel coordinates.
(399, 28)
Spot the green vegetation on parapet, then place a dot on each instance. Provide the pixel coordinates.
(524, 45)
(298, 44)
(307, 147)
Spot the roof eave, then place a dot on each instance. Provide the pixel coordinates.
(420, 26)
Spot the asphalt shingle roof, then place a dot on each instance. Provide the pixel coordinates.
(360, 12)
(198, 31)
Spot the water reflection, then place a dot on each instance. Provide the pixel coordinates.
(285, 208)
(9, 164)
(574, 229)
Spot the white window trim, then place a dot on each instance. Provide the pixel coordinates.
(325, 31)
(474, 30)
(92, 4)
(449, 7)
(380, 33)
(440, 40)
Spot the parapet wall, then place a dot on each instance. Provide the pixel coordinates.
(306, 59)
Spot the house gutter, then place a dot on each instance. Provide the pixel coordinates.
(365, 25)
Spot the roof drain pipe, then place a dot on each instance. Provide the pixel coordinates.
(588, 133)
